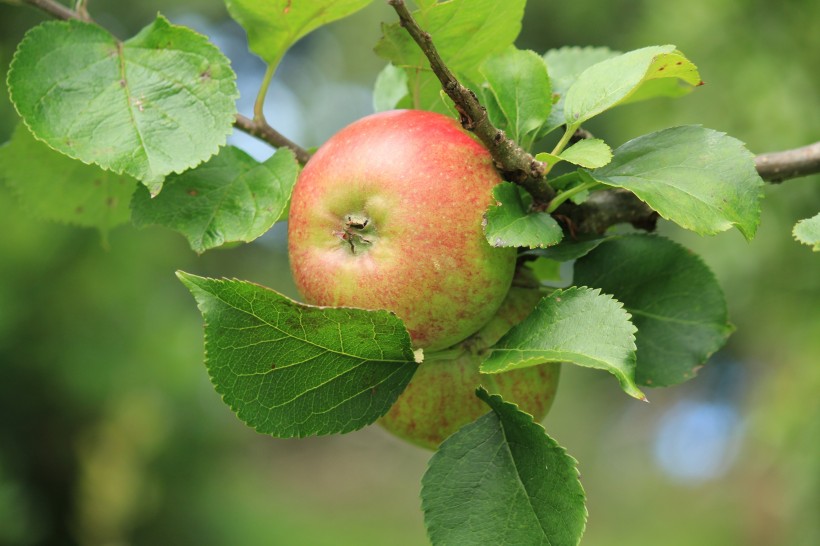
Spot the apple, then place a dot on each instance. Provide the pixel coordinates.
(387, 215)
(441, 398)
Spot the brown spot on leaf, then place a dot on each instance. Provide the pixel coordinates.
(123, 83)
(273, 366)
(111, 202)
(79, 210)
(192, 192)
(205, 74)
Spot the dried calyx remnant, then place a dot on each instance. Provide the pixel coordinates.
(356, 231)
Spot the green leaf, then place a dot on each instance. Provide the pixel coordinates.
(293, 370)
(519, 84)
(508, 224)
(808, 232)
(158, 103)
(230, 198)
(545, 269)
(564, 66)
(465, 32)
(502, 480)
(614, 81)
(273, 26)
(675, 302)
(569, 250)
(578, 325)
(700, 179)
(54, 187)
(390, 88)
(590, 153)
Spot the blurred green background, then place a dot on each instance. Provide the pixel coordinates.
(110, 432)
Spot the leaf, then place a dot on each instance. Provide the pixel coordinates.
(519, 84)
(158, 103)
(390, 88)
(230, 198)
(465, 32)
(502, 480)
(578, 325)
(564, 66)
(808, 232)
(700, 179)
(569, 250)
(590, 153)
(55, 187)
(675, 302)
(293, 370)
(614, 81)
(508, 224)
(273, 26)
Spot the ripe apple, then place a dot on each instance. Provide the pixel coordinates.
(387, 215)
(441, 398)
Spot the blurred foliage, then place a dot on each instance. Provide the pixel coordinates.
(110, 432)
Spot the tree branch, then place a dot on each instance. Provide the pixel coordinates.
(261, 130)
(55, 9)
(515, 163)
(779, 166)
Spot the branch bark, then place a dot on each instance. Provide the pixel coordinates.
(261, 130)
(515, 163)
(776, 167)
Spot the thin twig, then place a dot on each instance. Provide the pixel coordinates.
(55, 9)
(261, 130)
(515, 163)
(776, 167)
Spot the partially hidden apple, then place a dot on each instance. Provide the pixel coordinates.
(387, 215)
(441, 398)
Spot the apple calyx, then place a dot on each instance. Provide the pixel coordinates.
(356, 232)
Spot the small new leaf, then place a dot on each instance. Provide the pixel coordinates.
(675, 302)
(578, 325)
(808, 232)
(293, 370)
(509, 224)
(637, 75)
(520, 87)
(161, 102)
(502, 480)
(231, 198)
(273, 26)
(55, 187)
(390, 88)
(700, 179)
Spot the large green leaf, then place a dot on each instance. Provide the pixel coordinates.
(520, 87)
(637, 75)
(578, 325)
(158, 103)
(564, 66)
(503, 480)
(509, 223)
(465, 32)
(675, 302)
(230, 198)
(808, 232)
(289, 369)
(275, 25)
(55, 187)
(700, 179)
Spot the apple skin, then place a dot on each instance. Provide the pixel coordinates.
(441, 398)
(387, 215)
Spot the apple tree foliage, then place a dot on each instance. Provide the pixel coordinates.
(116, 130)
